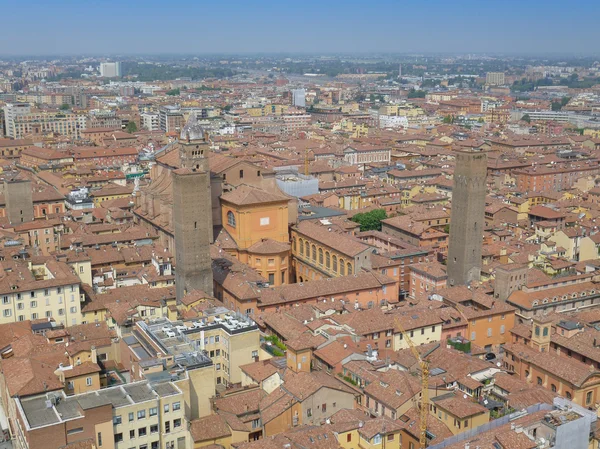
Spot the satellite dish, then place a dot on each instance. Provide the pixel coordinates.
(464, 396)
(498, 364)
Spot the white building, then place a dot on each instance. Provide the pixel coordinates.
(110, 69)
(150, 121)
(299, 97)
(393, 121)
(11, 112)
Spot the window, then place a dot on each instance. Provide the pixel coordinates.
(153, 411)
(265, 221)
(118, 437)
(130, 416)
(309, 412)
(489, 332)
(553, 388)
(142, 432)
(377, 439)
(7, 312)
(568, 395)
(99, 438)
(231, 219)
(75, 430)
(241, 174)
(141, 414)
(167, 426)
(117, 420)
(314, 253)
(323, 408)
(5, 300)
(349, 438)
(154, 428)
(177, 422)
(545, 332)
(20, 306)
(131, 434)
(335, 266)
(166, 408)
(176, 406)
(88, 381)
(349, 269)
(588, 397)
(539, 381)
(390, 437)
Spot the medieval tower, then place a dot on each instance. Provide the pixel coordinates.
(192, 213)
(467, 217)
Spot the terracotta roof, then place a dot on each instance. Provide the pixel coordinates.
(209, 428)
(245, 195)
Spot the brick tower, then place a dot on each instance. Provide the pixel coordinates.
(467, 217)
(192, 213)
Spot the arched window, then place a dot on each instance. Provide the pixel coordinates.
(294, 244)
(327, 260)
(314, 253)
(334, 264)
(307, 248)
(539, 381)
(553, 388)
(349, 270)
(320, 256)
(568, 395)
(342, 267)
(545, 332)
(231, 219)
(526, 373)
(301, 244)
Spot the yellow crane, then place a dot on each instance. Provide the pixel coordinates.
(424, 367)
(306, 170)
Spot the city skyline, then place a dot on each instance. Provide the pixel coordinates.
(269, 27)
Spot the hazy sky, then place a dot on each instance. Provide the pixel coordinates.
(242, 26)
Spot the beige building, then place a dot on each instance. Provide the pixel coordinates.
(141, 415)
(44, 289)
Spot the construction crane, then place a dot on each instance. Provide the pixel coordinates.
(424, 368)
(306, 170)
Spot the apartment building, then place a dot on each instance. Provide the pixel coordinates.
(44, 288)
(22, 120)
(140, 414)
(321, 252)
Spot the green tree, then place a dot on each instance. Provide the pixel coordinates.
(370, 221)
(174, 92)
(416, 93)
(526, 118)
(448, 119)
(131, 127)
(65, 107)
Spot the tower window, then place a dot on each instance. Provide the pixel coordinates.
(231, 219)
(195, 225)
(241, 174)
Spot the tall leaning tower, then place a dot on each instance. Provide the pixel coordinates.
(192, 213)
(467, 217)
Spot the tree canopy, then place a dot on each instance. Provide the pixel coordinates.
(370, 221)
(131, 127)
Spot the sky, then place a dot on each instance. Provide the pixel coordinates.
(53, 27)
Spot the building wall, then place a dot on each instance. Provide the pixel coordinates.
(256, 222)
(467, 218)
(453, 423)
(19, 201)
(193, 232)
(285, 421)
(299, 361)
(420, 336)
(491, 331)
